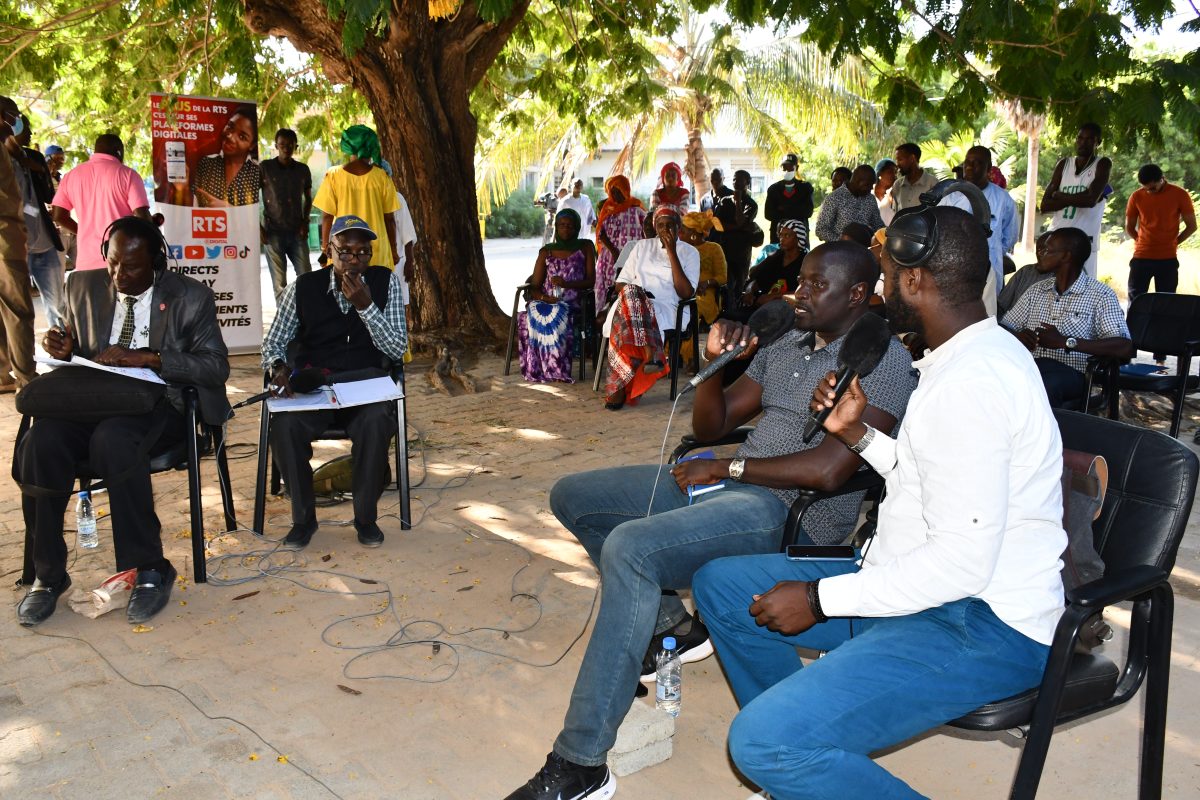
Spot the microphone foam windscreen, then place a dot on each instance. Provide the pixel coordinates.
(866, 342)
(770, 322)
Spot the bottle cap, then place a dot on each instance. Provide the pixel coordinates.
(669, 643)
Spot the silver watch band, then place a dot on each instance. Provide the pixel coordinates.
(862, 443)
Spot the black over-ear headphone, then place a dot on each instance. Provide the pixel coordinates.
(912, 238)
(136, 226)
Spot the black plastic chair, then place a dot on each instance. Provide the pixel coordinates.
(400, 466)
(1168, 324)
(865, 479)
(674, 345)
(1152, 482)
(209, 439)
(583, 320)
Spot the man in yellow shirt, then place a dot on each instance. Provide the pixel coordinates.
(361, 189)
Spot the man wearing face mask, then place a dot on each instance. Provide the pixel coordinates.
(347, 317)
(789, 198)
(16, 302)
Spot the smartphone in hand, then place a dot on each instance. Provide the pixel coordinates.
(821, 552)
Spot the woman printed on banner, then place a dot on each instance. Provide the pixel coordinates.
(231, 177)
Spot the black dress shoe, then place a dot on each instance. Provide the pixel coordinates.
(369, 535)
(40, 601)
(299, 536)
(150, 594)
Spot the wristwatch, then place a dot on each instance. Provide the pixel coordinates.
(862, 443)
(736, 467)
(1071, 343)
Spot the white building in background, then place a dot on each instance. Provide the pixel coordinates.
(727, 150)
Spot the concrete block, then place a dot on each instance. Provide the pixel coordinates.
(623, 764)
(644, 739)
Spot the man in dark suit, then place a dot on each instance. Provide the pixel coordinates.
(345, 318)
(134, 314)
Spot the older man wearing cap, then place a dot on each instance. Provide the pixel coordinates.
(788, 199)
(346, 320)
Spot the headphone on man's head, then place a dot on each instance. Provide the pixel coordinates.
(138, 227)
(912, 238)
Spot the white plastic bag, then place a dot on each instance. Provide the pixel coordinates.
(112, 594)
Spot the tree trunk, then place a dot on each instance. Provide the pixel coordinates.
(417, 81)
(697, 166)
(1029, 228)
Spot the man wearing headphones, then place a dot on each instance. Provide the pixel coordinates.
(136, 313)
(954, 601)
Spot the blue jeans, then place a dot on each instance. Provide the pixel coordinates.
(46, 269)
(281, 246)
(638, 557)
(808, 732)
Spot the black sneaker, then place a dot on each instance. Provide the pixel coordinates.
(562, 780)
(691, 646)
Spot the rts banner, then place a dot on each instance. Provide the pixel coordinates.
(207, 179)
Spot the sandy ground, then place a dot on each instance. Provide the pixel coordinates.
(276, 679)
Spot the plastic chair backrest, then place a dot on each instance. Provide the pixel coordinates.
(1162, 322)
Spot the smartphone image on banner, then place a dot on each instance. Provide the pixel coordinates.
(820, 552)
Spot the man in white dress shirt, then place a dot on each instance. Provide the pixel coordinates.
(954, 601)
(583, 206)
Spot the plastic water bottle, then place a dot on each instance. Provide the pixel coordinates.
(668, 696)
(85, 522)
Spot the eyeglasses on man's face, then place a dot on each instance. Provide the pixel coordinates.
(348, 254)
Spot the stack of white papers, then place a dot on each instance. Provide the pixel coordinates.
(141, 373)
(339, 395)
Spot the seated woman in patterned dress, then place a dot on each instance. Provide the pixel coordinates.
(545, 331)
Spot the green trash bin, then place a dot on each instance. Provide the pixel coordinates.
(314, 230)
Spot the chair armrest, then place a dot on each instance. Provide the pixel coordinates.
(860, 481)
(1122, 585)
(689, 442)
(863, 480)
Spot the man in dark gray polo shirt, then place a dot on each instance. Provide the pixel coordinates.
(639, 554)
(287, 200)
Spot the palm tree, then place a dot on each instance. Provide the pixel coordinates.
(770, 95)
(1029, 124)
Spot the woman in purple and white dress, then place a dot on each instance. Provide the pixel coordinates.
(620, 222)
(545, 334)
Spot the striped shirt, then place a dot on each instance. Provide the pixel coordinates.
(1087, 310)
(788, 371)
(387, 328)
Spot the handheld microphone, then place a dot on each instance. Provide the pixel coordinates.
(303, 382)
(864, 346)
(768, 323)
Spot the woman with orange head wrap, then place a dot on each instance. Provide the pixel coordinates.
(619, 222)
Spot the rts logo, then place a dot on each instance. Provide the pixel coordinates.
(209, 224)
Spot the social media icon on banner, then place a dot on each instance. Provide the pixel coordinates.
(176, 251)
(245, 251)
(209, 224)
(193, 252)
(213, 251)
(230, 252)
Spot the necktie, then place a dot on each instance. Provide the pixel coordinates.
(126, 337)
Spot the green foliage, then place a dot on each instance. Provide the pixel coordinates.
(516, 218)
(1067, 58)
